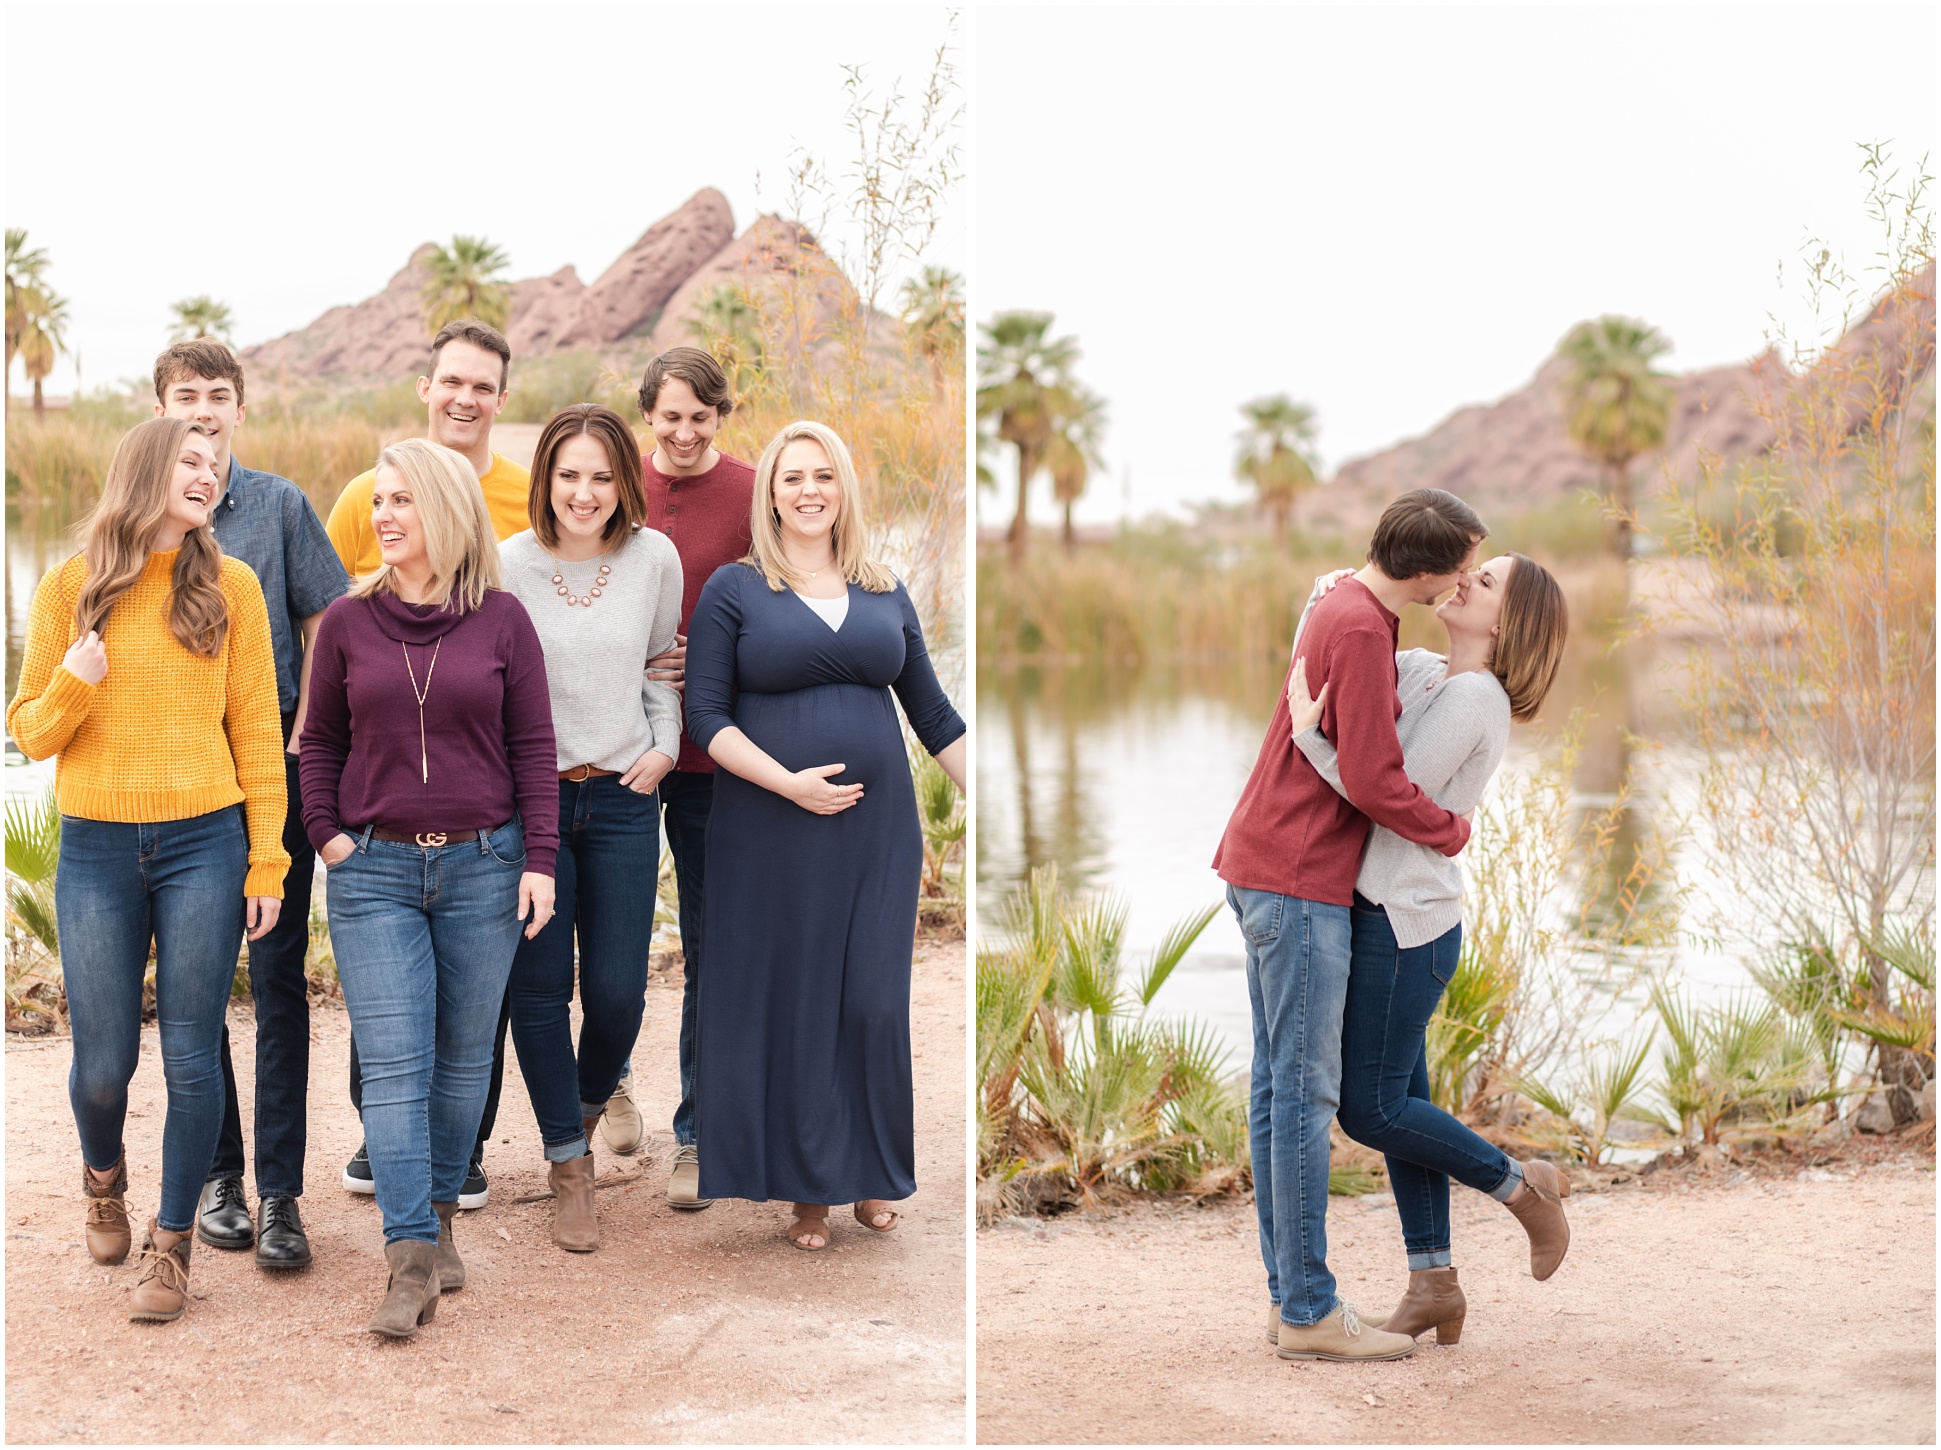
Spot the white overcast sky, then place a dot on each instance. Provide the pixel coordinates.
(1391, 212)
(288, 158)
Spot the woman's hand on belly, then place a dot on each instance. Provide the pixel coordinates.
(812, 790)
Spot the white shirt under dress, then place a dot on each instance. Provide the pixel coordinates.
(833, 611)
(606, 712)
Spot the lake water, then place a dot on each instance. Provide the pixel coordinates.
(1125, 779)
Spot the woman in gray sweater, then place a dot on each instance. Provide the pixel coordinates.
(604, 592)
(1507, 624)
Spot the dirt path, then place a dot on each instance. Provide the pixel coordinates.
(1769, 1311)
(701, 1327)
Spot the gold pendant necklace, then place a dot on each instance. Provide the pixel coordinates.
(424, 758)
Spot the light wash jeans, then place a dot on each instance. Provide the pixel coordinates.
(424, 937)
(1297, 980)
(118, 883)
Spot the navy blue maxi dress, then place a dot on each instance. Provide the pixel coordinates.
(803, 1085)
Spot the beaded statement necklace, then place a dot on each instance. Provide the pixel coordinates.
(586, 599)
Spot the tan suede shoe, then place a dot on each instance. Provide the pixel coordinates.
(621, 1124)
(684, 1187)
(1342, 1336)
(1433, 1300)
(162, 1291)
(576, 1228)
(107, 1230)
(451, 1268)
(411, 1293)
(1541, 1212)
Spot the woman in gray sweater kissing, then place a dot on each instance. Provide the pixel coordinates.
(1507, 624)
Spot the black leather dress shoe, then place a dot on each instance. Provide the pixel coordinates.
(222, 1217)
(280, 1240)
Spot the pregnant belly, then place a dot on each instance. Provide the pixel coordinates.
(851, 725)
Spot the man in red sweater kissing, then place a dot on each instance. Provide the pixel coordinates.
(1289, 857)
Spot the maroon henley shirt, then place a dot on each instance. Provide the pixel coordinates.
(1291, 832)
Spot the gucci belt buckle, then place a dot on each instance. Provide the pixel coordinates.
(428, 839)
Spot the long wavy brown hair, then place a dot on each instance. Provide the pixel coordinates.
(116, 539)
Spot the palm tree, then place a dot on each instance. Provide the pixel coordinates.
(43, 335)
(728, 325)
(25, 267)
(933, 314)
(1024, 381)
(201, 317)
(464, 282)
(1277, 454)
(1074, 450)
(1616, 405)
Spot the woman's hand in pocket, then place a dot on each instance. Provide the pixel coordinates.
(336, 849)
(645, 773)
(535, 901)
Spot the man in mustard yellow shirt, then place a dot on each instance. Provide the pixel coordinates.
(463, 391)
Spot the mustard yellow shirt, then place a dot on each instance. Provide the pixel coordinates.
(168, 733)
(506, 486)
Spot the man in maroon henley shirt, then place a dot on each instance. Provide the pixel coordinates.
(700, 498)
(1290, 855)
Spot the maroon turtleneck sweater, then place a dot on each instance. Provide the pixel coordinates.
(488, 723)
(1291, 832)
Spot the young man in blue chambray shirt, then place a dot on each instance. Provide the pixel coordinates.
(266, 522)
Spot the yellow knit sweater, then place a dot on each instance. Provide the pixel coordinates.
(168, 733)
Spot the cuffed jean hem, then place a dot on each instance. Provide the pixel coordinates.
(567, 1152)
(1511, 1179)
(1434, 1259)
(592, 1110)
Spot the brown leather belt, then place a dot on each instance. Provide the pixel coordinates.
(426, 839)
(584, 772)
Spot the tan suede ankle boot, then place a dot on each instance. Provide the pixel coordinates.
(576, 1228)
(451, 1268)
(162, 1291)
(411, 1293)
(1433, 1300)
(1541, 1212)
(107, 1231)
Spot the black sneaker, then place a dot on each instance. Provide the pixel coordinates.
(473, 1194)
(357, 1172)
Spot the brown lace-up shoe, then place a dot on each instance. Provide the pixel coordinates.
(162, 1291)
(107, 1230)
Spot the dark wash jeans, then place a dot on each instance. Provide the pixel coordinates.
(118, 884)
(281, 997)
(609, 848)
(1297, 976)
(424, 937)
(688, 797)
(1392, 994)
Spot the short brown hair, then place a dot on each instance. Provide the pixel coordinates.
(1530, 635)
(479, 334)
(692, 366)
(201, 357)
(623, 452)
(1425, 531)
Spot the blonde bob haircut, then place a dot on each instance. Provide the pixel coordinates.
(459, 542)
(849, 532)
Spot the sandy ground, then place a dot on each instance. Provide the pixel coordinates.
(683, 1327)
(1761, 1312)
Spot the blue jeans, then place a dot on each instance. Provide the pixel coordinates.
(1297, 976)
(282, 1001)
(424, 937)
(1392, 994)
(119, 883)
(688, 796)
(609, 848)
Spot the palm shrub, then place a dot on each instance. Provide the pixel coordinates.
(940, 812)
(1736, 1069)
(36, 997)
(1078, 1081)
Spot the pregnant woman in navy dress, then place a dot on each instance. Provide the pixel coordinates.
(803, 1086)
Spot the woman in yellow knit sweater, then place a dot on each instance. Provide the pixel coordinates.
(148, 670)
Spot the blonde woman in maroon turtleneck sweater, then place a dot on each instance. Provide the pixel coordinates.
(430, 791)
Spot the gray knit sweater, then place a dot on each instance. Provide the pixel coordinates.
(1453, 732)
(606, 712)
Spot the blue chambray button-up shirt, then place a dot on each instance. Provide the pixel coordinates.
(265, 521)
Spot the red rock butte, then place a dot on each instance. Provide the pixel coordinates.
(644, 302)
